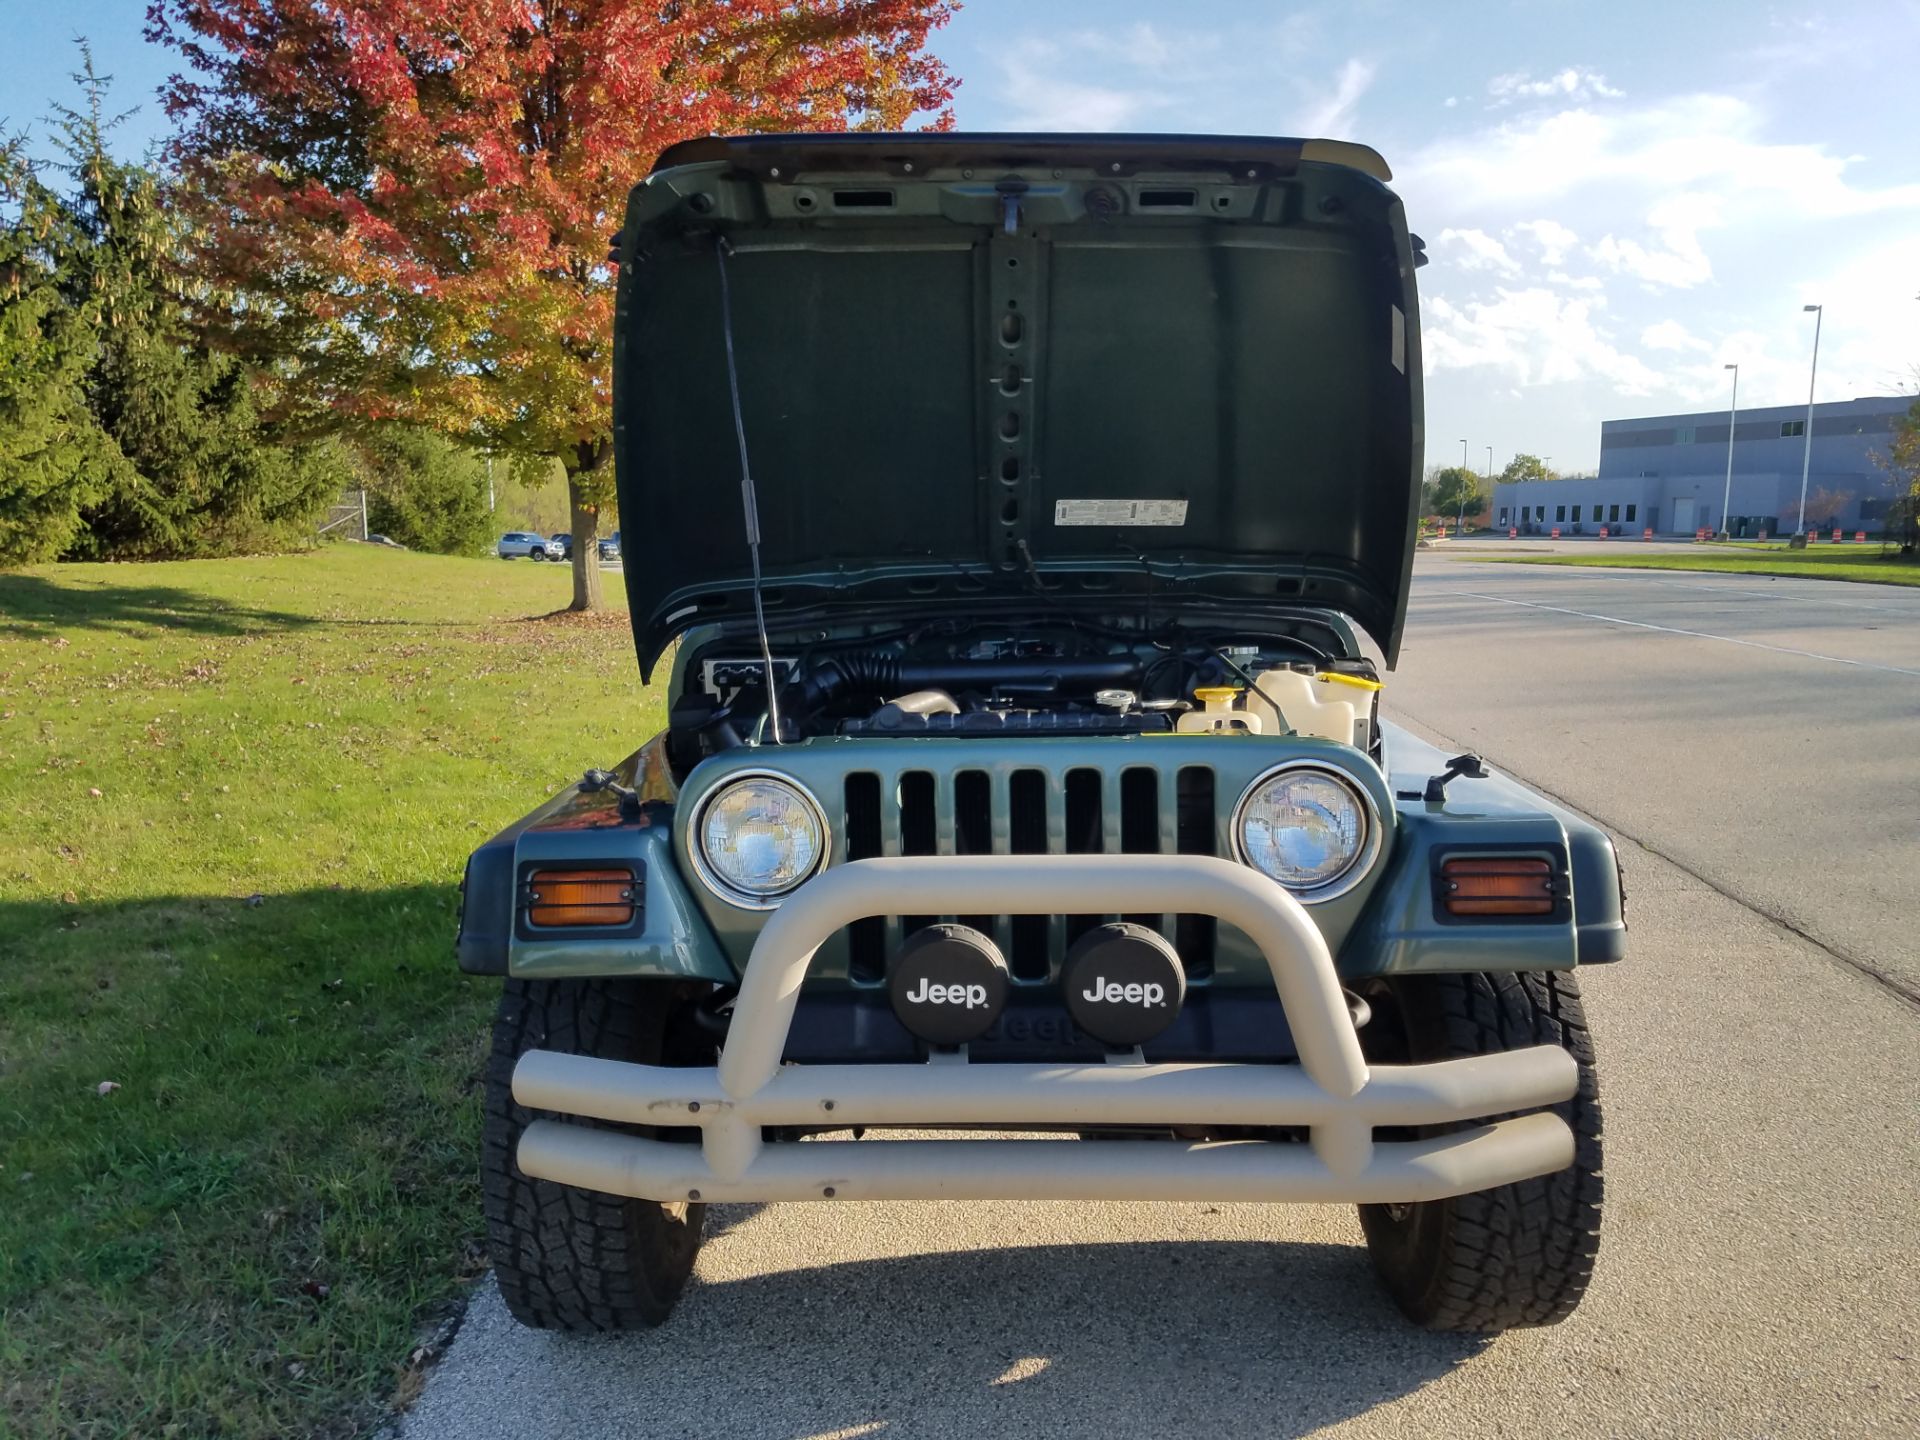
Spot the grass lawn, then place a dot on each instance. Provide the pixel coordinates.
(235, 797)
(1823, 562)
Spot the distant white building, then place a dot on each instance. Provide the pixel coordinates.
(1666, 473)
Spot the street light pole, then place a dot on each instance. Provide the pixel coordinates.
(1460, 520)
(1733, 411)
(1813, 372)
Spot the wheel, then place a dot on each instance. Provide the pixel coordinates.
(570, 1259)
(1520, 1254)
(536, 554)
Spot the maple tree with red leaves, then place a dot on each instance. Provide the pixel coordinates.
(407, 203)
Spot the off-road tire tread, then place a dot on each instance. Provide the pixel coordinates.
(565, 1258)
(1520, 1254)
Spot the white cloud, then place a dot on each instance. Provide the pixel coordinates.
(1553, 238)
(1671, 335)
(1049, 103)
(1677, 265)
(1332, 116)
(1533, 336)
(1701, 145)
(1571, 83)
(1479, 251)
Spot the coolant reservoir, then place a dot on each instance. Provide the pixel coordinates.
(1220, 710)
(1330, 706)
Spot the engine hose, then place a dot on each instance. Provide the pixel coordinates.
(871, 673)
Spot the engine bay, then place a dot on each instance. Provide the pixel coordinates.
(1057, 678)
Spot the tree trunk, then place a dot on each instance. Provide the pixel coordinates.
(584, 511)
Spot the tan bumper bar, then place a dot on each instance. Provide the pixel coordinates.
(1331, 1092)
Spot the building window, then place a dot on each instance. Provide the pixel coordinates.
(1576, 514)
(1683, 435)
(1613, 512)
(1559, 512)
(1790, 428)
(1503, 515)
(1630, 510)
(1539, 512)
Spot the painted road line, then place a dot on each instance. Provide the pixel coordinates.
(1676, 630)
(1622, 574)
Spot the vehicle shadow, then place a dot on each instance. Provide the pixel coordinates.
(1200, 1338)
(32, 606)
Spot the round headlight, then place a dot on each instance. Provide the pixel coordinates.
(1306, 828)
(759, 837)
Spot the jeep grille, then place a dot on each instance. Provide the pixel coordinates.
(1082, 810)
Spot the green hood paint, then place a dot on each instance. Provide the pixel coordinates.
(976, 369)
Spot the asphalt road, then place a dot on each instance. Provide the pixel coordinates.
(1759, 1271)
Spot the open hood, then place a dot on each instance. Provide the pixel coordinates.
(979, 371)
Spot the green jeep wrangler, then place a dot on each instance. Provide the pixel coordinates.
(1029, 520)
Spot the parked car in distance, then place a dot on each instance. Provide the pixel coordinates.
(610, 546)
(525, 542)
(562, 542)
(388, 541)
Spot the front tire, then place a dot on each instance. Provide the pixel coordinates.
(565, 1258)
(1520, 1254)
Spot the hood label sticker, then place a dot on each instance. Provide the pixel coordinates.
(1119, 512)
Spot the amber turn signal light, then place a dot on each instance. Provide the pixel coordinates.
(580, 897)
(1475, 887)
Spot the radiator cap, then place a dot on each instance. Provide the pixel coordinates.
(1123, 983)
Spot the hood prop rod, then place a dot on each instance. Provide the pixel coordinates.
(749, 500)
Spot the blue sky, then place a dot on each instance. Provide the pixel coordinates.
(1617, 199)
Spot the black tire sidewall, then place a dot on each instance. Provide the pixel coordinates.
(565, 1258)
(1432, 1257)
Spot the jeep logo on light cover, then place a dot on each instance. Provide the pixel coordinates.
(1123, 984)
(1111, 992)
(974, 997)
(948, 984)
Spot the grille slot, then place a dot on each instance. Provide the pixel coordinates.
(1027, 835)
(919, 831)
(866, 939)
(1140, 821)
(1084, 832)
(1139, 810)
(1194, 833)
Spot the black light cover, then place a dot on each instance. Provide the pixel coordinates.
(948, 984)
(1123, 983)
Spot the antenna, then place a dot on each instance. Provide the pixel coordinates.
(749, 501)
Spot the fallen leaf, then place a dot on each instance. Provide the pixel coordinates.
(95, 791)
(255, 901)
(316, 1289)
(106, 1087)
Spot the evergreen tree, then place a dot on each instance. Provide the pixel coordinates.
(203, 475)
(54, 460)
(426, 491)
